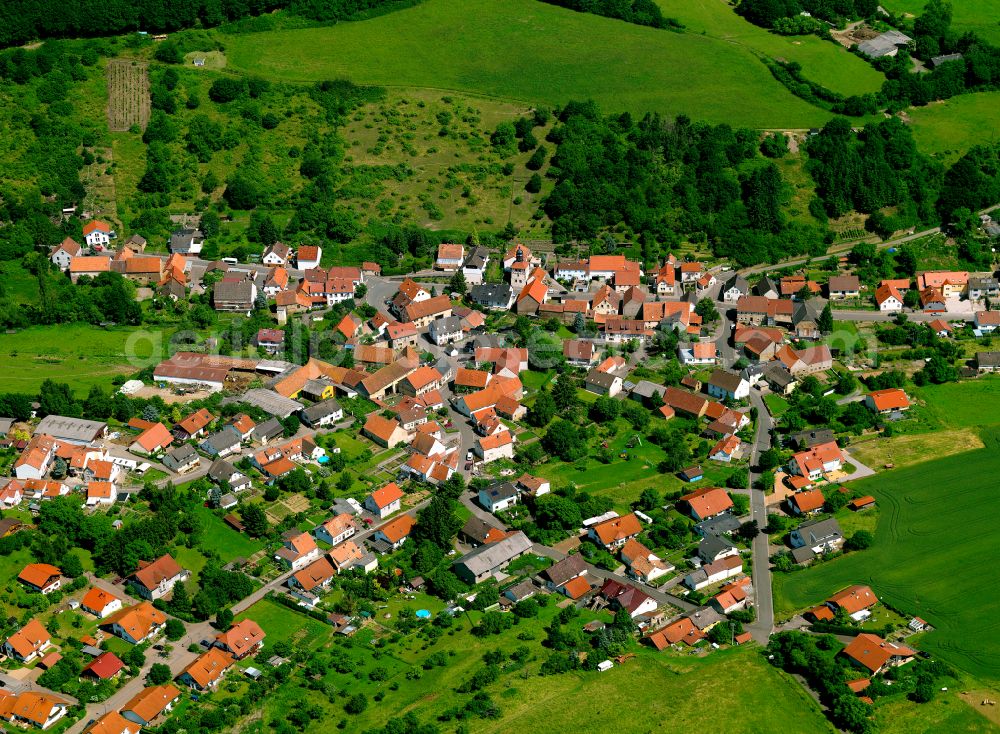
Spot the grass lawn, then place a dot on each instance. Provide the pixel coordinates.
(535, 53)
(949, 128)
(935, 536)
(948, 712)
(282, 624)
(193, 560)
(219, 537)
(776, 404)
(79, 354)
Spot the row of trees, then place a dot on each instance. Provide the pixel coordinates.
(640, 12)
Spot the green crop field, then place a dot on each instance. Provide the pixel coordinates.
(946, 129)
(934, 544)
(79, 354)
(282, 624)
(969, 404)
(219, 537)
(532, 52)
(981, 16)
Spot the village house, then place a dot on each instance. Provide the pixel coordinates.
(816, 461)
(31, 708)
(277, 254)
(298, 550)
(193, 425)
(151, 703)
(112, 723)
(888, 298)
(887, 402)
(237, 296)
(844, 286)
(394, 533)
(492, 296)
(474, 267)
(874, 654)
(603, 383)
(157, 579)
(386, 432)
(222, 443)
(449, 257)
(97, 233)
(311, 579)
(641, 563)
(533, 486)
(446, 331)
(727, 449)
(495, 447)
(713, 573)
(243, 639)
(627, 597)
(727, 385)
(814, 538)
(707, 502)
(856, 601)
(808, 502)
(385, 501)
(105, 666)
(732, 597)
(307, 257)
(336, 530)
(206, 672)
(488, 560)
(563, 573)
(153, 440)
(733, 288)
(43, 578)
(187, 241)
(949, 283)
(100, 602)
(615, 532)
(63, 253)
(28, 643)
(498, 496)
(698, 353)
(137, 623)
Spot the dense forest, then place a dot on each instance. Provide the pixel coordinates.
(26, 20)
(640, 12)
(664, 180)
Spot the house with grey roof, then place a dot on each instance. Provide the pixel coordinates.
(187, 241)
(222, 471)
(181, 459)
(222, 443)
(322, 414)
(603, 383)
(267, 431)
(488, 560)
(445, 331)
(494, 296)
(71, 430)
(498, 496)
(647, 392)
(814, 538)
(727, 385)
(733, 288)
(767, 287)
(711, 548)
(235, 296)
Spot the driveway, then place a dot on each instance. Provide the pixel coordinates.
(860, 470)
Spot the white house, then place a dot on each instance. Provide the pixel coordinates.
(498, 496)
(888, 298)
(336, 530)
(385, 501)
(728, 385)
(96, 233)
(276, 254)
(446, 331)
(62, 253)
(492, 448)
(308, 257)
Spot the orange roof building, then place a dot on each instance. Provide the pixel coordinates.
(42, 577)
(206, 672)
(855, 600)
(150, 703)
(874, 654)
(617, 531)
(28, 642)
(887, 401)
(708, 502)
(242, 639)
(137, 623)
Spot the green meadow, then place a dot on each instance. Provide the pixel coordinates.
(527, 51)
(935, 546)
(78, 354)
(947, 129)
(980, 16)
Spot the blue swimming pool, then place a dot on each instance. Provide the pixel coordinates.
(323, 460)
(423, 614)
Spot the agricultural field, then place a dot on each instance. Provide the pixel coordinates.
(968, 404)
(934, 538)
(128, 94)
(534, 53)
(947, 129)
(906, 450)
(979, 16)
(79, 354)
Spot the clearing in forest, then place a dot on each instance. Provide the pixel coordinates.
(128, 94)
